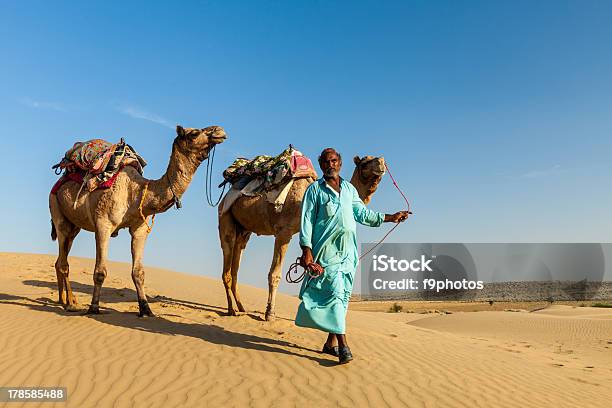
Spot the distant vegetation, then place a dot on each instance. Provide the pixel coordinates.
(395, 308)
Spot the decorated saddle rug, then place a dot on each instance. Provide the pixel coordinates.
(269, 175)
(96, 163)
(270, 169)
(78, 176)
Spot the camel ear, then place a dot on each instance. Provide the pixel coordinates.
(180, 131)
(356, 159)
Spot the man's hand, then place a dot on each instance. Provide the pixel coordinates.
(306, 257)
(399, 216)
(315, 270)
(307, 261)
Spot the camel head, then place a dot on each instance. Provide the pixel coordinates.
(197, 143)
(369, 170)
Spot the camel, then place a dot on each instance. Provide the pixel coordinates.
(127, 204)
(255, 214)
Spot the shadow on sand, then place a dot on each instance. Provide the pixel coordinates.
(208, 332)
(121, 295)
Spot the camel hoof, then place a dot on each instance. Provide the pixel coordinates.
(93, 309)
(73, 308)
(231, 312)
(144, 309)
(270, 316)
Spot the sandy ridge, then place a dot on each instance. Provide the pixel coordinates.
(193, 355)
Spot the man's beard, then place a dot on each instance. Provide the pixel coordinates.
(330, 173)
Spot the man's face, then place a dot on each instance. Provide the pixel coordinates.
(330, 164)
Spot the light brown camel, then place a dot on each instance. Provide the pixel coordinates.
(105, 212)
(255, 214)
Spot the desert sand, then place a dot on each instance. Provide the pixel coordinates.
(191, 354)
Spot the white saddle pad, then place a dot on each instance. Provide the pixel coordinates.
(276, 196)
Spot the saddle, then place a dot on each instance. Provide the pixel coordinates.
(269, 175)
(96, 163)
(271, 170)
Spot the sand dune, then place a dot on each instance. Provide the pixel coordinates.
(193, 355)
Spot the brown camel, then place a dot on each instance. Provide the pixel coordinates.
(105, 212)
(255, 214)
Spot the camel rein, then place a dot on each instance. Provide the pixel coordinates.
(293, 268)
(208, 180)
(176, 200)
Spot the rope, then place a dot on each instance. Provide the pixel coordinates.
(144, 194)
(294, 266)
(379, 242)
(396, 225)
(293, 270)
(398, 189)
(85, 178)
(208, 181)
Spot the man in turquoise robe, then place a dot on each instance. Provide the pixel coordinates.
(331, 210)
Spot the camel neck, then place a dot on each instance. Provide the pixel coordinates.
(366, 191)
(173, 183)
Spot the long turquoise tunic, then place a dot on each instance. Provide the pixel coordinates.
(329, 227)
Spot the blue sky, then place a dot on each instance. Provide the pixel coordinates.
(493, 116)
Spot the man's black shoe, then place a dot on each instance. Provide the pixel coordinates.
(345, 355)
(331, 350)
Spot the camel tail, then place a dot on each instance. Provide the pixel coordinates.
(53, 232)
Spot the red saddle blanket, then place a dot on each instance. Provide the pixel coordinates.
(96, 163)
(78, 177)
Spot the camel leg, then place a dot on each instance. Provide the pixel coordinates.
(62, 268)
(227, 236)
(102, 238)
(242, 237)
(139, 237)
(281, 243)
(66, 233)
(60, 284)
